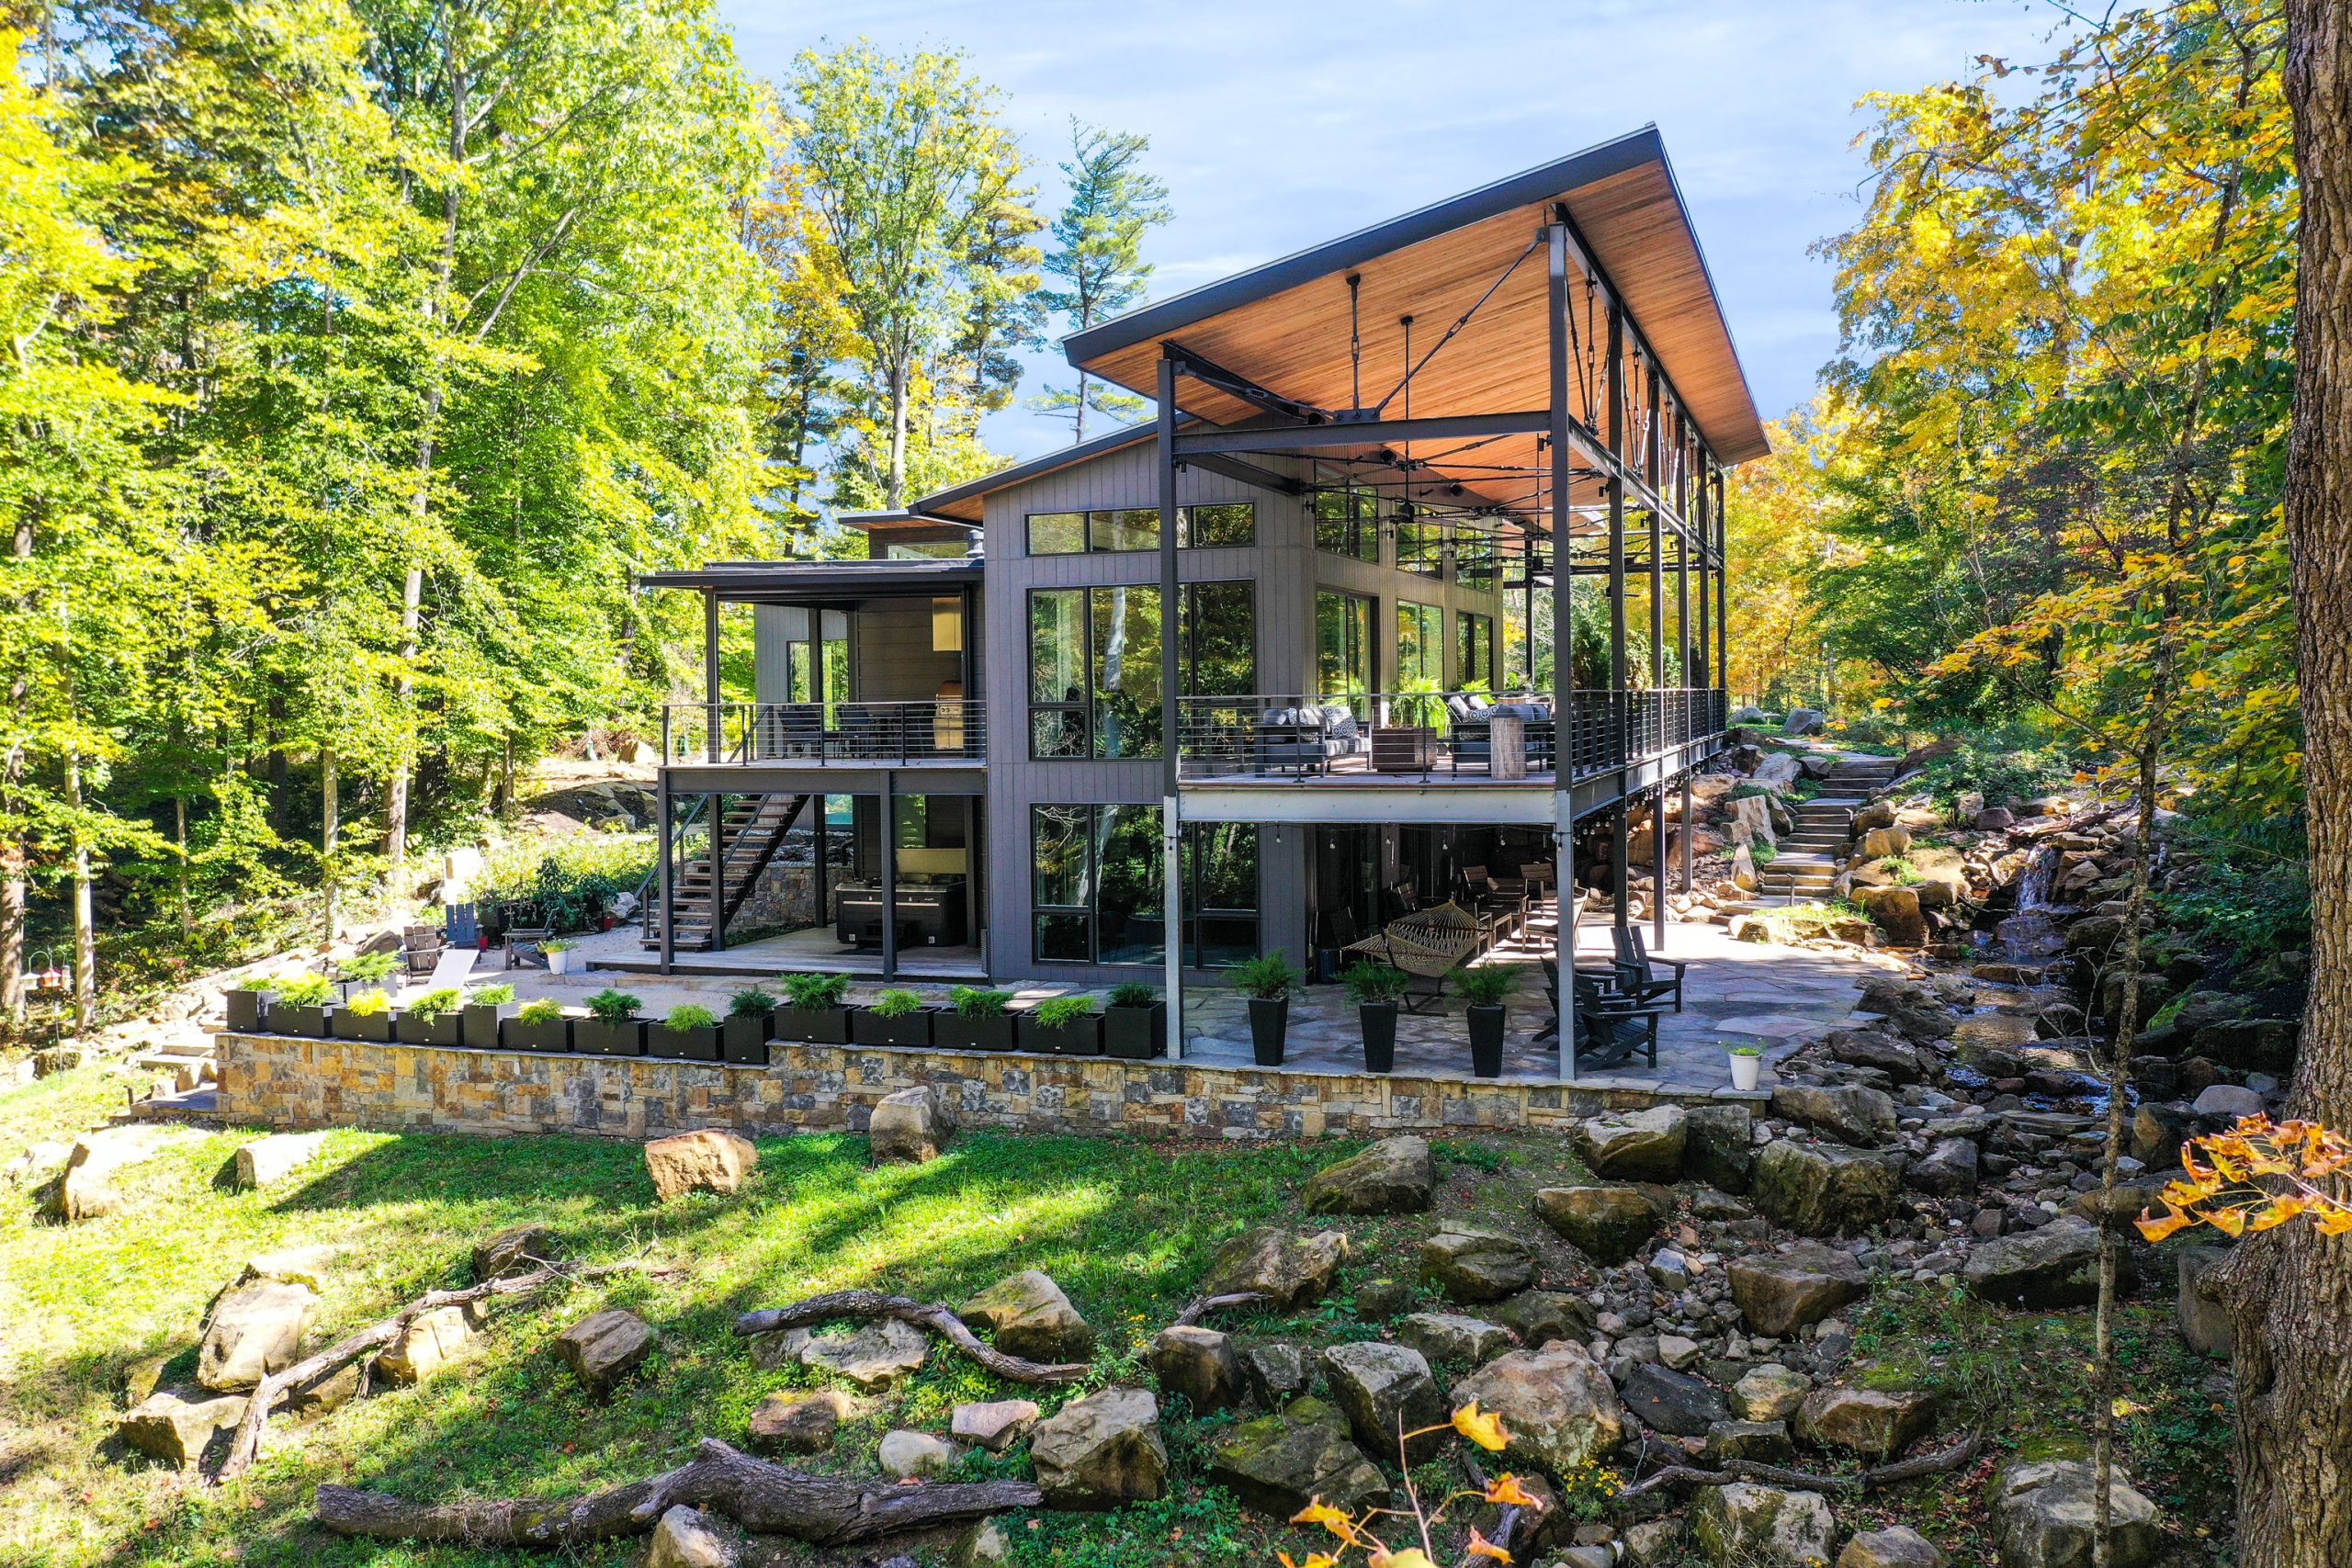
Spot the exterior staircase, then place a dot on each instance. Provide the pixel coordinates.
(1805, 869)
(751, 828)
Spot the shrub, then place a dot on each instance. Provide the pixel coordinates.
(970, 1001)
(367, 965)
(1132, 994)
(304, 990)
(434, 1003)
(897, 1003)
(1269, 976)
(493, 996)
(814, 991)
(1486, 984)
(1056, 1011)
(750, 1002)
(609, 1006)
(571, 883)
(369, 1004)
(692, 1015)
(1369, 982)
(1761, 854)
(545, 1011)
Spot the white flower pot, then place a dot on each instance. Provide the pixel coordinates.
(559, 962)
(1745, 1071)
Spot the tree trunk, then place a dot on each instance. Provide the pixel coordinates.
(897, 381)
(330, 831)
(12, 934)
(2289, 1290)
(85, 947)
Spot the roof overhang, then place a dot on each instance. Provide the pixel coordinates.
(819, 581)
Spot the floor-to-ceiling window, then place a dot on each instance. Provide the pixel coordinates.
(1094, 663)
(1342, 644)
(1420, 643)
(1097, 883)
(1475, 649)
(1347, 522)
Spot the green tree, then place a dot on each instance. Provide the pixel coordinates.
(1098, 254)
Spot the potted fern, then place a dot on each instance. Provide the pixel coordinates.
(1134, 1025)
(1062, 1026)
(367, 1015)
(1268, 981)
(246, 1005)
(612, 1026)
(743, 1037)
(364, 969)
(812, 1009)
(689, 1034)
(299, 1006)
(431, 1019)
(895, 1018)
(1482, 990)
(558, 955)
(485, 1010)
(974, 1021)
(1376, 988)
(539, 1026)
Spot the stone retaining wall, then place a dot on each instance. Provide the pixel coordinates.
(278, 1081)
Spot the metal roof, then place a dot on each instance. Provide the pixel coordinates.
(797, 582)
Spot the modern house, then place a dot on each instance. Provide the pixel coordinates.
(990, 750)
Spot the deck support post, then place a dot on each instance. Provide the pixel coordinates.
(714, 728)
(1171, 881)
(665, 911)
(1654, 457)
(1723, 577)
(1563, 849)
(1620, 674)
(889, 875)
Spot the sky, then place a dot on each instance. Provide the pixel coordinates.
(1277, 124)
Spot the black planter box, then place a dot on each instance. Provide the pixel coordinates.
(1080, 1037)
(1379, 1019)
(480, 1030)
(370, 1026)
(951, 1030)
(608, 1039)
(1135, 1033)
(814, 1026)
(310, 1023)
(682, 1044)
(1269, 1025)
(553, 1035)
(1486, 1040)
(867, 1027)
(246, 1011)
(745, 1041)
(441, 1029)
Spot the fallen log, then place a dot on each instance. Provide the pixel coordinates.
(245, 1447)
(763, 1498)
(1203, 1307)
(864, 1306)
(1875, 1479)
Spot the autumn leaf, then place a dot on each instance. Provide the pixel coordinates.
(1411, 1556)
(1480, 1427)
(1509, 1490)
(1318, 1512)
(1481, 1547)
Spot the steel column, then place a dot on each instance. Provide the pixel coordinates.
(1171, 823)
(1723, 578)
(1619, 673)
(1683, 832)
(714, 734)
(1656, 458)
(665, 911)
(1564, 857)
(713, 804)
(889, 876)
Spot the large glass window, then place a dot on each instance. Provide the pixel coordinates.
(1473, 559)
(1347, 522)
(1342, 644)
(1137, 528)
(1420, 643)
(1475, 649)
(1421, 546)
(1097, 883)
(1094, 664)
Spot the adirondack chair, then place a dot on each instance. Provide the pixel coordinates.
(1641, 976)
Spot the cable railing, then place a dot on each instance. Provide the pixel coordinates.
(1435, 734)
(939, 729)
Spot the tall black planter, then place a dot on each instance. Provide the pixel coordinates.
(481, 1028)
(951, 1030)
(373, 1027)
(1379, 1035)
(1486, 1040)
(1135, 1033)
(246, 1009)
(1269, 1024)
(554, 1034)
(595, 1039)
(745, 1041)
(309, 1022)
(700, 1045)
(816, 1026)
(441, 1029)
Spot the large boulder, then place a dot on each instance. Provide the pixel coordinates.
(1745, 1525)
(906, 1455)
(1897, 1546)
(1538, 1317)
(1477, 1263)
(1277, 1371)
(1719, 1147)
(427, 1341)
(2043, 1511)
(604, 1348)
(1634, 1145)
(1780, 1293)
(798, 1423)
(994, 1425)
(1778, 770)
(1199, 1364)
(1277, 1464)
(1608, 1224)
(1028, 1317)
(1770, 1392)
(1557, 1404)
(1899, 1059)
(87, 1189)
(269, 1160)
(254, 1329)
(1385, 1389)
(706, 1161)
(909, 1127)
(177, 1427)
(1874, 1423)
(874, 1359)
(1446, 1338)
(1826, 1188)
(2056, 1266)
(1848, 1113)
(1101, 1451)
(1396, 1176)
(518, 1249)
(1804, 721)
(688, 1538)
(1673, 1402)
(1289, 1270)
(1948, 1171)
(2204, 1320)
(1896, 911)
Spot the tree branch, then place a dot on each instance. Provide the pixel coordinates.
(868, 1305)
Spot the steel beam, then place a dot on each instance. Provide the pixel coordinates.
(1171, 817)
(1364, 432)
(1564, 686)
(1248, 473)
(1209, 373)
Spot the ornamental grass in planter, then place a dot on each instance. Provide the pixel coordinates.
(689, 1034)
(974, 1021)
(300, 1006)
(365, 1015)
(431, 1019)
(895, 1018)
(1482, 990)
(480, 1019)
(538, 1026)
(1376, 988)
(612, 1026)
(1062, 1026)
(1268, 981)
(1134, 1024)
(812, 1009)
(743, 1036)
